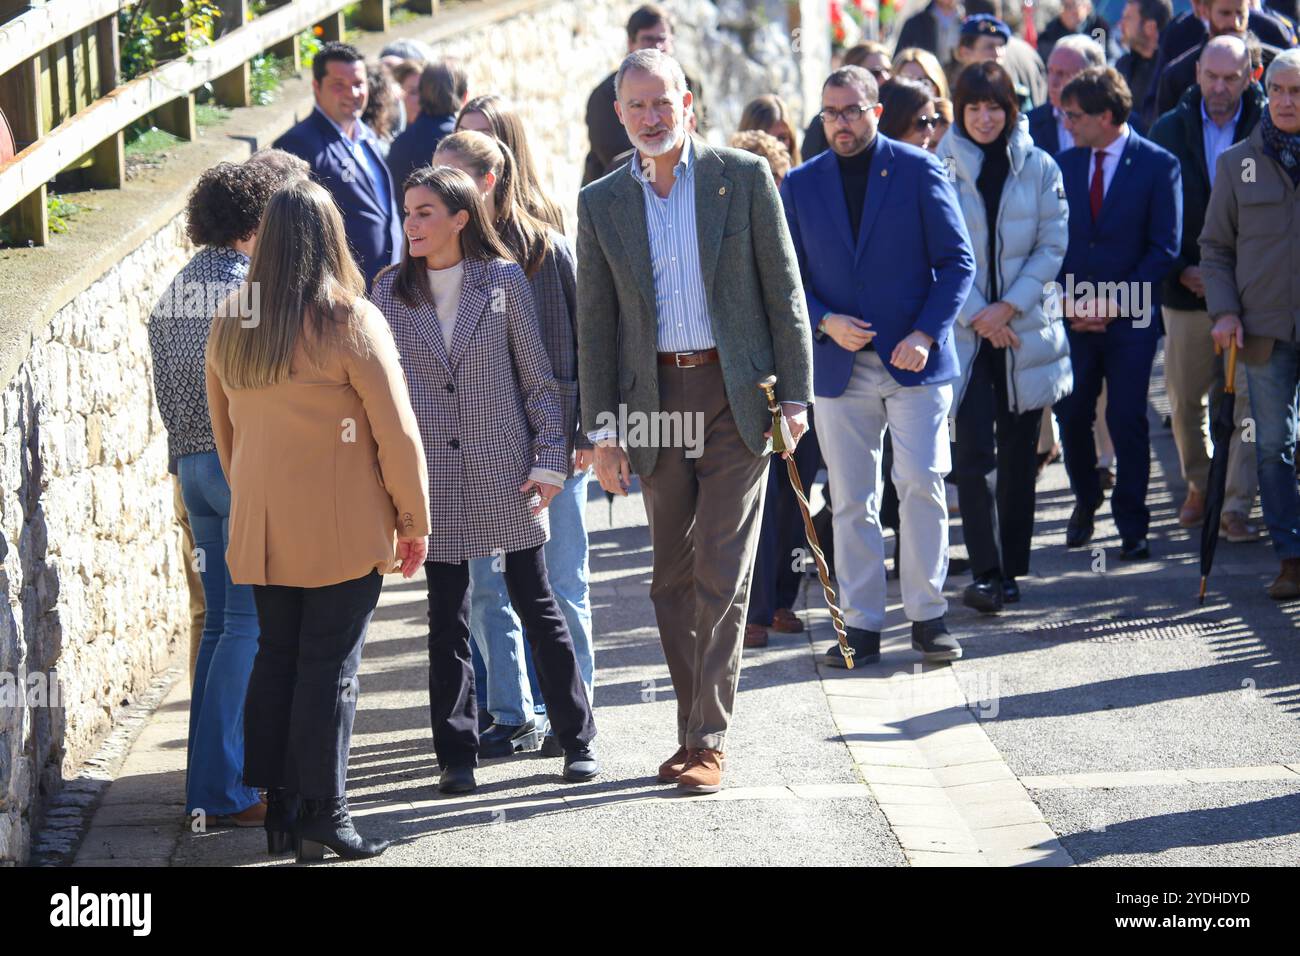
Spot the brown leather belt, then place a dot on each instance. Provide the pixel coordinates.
(689, 359)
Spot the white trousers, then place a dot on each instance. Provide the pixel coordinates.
(850, 431)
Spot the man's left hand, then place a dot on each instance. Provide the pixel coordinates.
(912, 353)
(796, 420)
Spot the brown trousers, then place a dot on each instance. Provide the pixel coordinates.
(704, 503)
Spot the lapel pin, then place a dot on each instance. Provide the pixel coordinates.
(722, 190)
(884, 172)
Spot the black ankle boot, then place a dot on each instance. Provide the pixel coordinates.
(282, 809)
(327, 823)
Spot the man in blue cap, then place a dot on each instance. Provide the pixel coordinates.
(985, 37)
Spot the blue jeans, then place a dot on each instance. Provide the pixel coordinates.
(214, 779)
(1273, 405)
(502, 661)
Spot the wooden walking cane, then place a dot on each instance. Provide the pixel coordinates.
(779, 444)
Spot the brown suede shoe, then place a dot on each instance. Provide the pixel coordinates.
(703, 772)
(672, 768)
(1285, 588)
(785, 621)
(1234, 526)
(254, 816)
(755, 635)
(1192, 513)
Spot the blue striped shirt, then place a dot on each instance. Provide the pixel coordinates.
(680, 301)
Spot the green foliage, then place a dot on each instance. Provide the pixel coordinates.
(308, 46)
(266, 71)
(146, 144)
(146, 38)
(60, 211)
(209, 114)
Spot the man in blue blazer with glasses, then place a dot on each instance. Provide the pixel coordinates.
(1126, 210)
(886, 264)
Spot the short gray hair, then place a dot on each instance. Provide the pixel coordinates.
(1085, 46)
(409, 50)
(654, 62)
(1286, 60)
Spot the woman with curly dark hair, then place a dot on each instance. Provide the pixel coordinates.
(224, 211)
(383, 112)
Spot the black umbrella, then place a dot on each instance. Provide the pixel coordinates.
(1221, 429)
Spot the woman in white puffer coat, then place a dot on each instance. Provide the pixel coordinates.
(1010, 337)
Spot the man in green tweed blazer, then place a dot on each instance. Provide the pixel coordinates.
(688, 296)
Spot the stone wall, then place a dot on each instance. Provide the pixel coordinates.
(94, 597)
(90, 554)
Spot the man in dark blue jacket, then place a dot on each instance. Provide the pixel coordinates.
(1125, 202)
(443, 91)
(886, 264)
(341, 152)
(1221, 110)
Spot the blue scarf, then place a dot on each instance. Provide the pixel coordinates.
(1284, 147)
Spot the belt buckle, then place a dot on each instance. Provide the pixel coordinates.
(677, 359)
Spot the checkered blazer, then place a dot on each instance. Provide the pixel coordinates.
(488, 412)
(554, 287)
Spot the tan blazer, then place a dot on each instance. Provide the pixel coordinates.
(324, 469)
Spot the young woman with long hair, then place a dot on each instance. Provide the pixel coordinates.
(547, 259)
(495, 116)
(329, 491)
(464, 320)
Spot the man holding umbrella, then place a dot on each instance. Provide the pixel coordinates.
(1250, 260)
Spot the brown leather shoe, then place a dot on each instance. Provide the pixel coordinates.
(755, 635)
(254, 816)
(1192, 513)
(785, 621)
(1237, 529)
(703, 772)
(1285, 588)
(672, 768)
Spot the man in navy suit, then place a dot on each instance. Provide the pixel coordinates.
(1070, 56)
(886, 264)
(1125, 196)
(341, 152)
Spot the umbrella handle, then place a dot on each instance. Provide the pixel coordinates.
(1230, 375)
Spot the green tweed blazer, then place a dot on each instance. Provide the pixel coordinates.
(751, 278)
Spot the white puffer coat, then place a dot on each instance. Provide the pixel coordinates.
(1032, 236)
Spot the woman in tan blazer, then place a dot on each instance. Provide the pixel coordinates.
(329, 490)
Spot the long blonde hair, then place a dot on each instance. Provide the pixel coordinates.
(508, 126)
(524, 234)
(764, 112)
(302, 281)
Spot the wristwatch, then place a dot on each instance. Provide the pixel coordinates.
(820, 331)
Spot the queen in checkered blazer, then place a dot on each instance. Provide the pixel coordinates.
(463, 318)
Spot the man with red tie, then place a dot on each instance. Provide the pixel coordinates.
(1125, 199)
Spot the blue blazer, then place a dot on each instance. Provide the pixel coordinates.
(910, 269)
(414, 145)
(374, 233)
(1042, 129)
(1136, 237)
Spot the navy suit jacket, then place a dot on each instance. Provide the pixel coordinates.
(1042, 129)
(1136, 237)
(374, 233)
(910, 269)
(414, 145)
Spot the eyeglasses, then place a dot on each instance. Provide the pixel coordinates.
(926, 123)
(850, 113)
(1074, 115)
(881, 74)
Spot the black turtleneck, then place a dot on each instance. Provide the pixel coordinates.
(855, 170)
(993, 176)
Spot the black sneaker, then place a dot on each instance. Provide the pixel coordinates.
(580, 765)
(456, 780)
(504, 740)
(865, 644)
(932, 639)
(984, 594)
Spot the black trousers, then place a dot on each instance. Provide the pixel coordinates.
(302, 694)
(453, 706)
(995, 460)
(776, 582)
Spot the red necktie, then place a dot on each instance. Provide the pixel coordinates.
(1097, 191)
